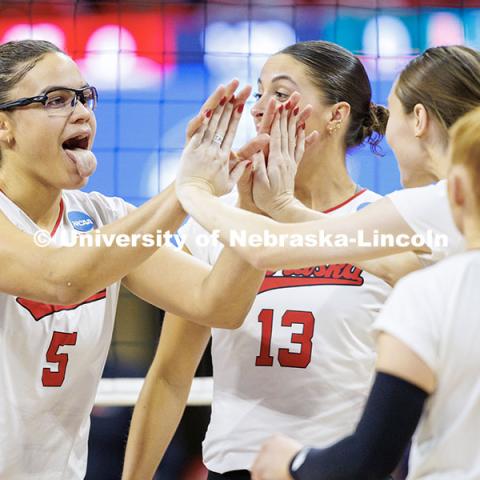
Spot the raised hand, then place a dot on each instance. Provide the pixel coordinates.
(291, 104)
(228, 91)
(212, 102)
(274, 176)
(245, 184)
(205, 160)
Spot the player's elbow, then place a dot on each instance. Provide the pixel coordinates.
(227, 321)
(216, 316)
(166, 378)
(65, 280)
(69, 288)
(68, 293)
(55, 289)
(263, 258)
(214, 311)
(236, 322)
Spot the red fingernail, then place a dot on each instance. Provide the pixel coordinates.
(287, 106)
(223, 101)
(240, 108)
(280, 109)
(232, 100)
(208, 113)
(303, 125)
(296, 110)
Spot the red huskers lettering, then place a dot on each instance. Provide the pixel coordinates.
(41, 310)
(337, 274)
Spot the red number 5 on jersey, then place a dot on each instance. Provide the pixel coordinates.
(286, 358)
(55, 378)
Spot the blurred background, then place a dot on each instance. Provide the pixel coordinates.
(154, 63)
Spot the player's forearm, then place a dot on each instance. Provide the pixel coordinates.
(164, 395)
(392, 268)
(295, 212)
(156, 416)
(349, 239)
(245, 233)
(234, 279)
(234, 226)
(81, 271)
(391, 415)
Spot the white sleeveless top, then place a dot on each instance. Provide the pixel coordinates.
(52, 358)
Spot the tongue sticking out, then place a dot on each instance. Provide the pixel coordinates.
(84, 160)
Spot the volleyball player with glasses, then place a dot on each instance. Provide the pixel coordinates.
(57, 303)
(58, 100)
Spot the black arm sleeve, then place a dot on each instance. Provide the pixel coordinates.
(390, 418)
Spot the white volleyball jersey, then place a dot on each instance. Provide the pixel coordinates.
(436, 313)
(301, 363)
(427, 211)
(52, 358)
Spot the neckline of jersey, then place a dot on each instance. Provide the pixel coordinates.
(348, 200)
(59, 218)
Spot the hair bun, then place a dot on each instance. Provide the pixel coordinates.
(375, 125)
(376, 119)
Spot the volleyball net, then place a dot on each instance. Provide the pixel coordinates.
(124, 392)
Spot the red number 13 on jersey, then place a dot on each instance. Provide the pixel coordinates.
(286, 358)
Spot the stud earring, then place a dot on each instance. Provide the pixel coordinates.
(333, 128)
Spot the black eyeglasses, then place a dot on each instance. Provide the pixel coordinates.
(59, 101)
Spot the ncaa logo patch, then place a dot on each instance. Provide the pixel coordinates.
(363, 205)
(81, 221)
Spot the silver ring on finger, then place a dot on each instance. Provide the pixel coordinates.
(218, 139)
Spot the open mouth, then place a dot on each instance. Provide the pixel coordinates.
(76, 148)
(78, 142)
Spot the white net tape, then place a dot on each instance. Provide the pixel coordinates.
(123, 392)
